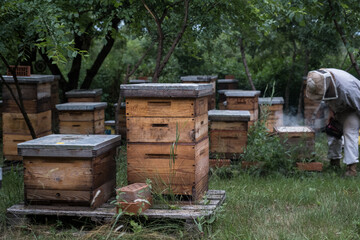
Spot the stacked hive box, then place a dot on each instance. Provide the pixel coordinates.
(222, 86)
(110, 127)
(244, 100)
(273, 107)
(204, 80)
(84, 95)
(300, 138)
(122, 119)
(36, 93)
(82, 117)
(167, 138)
(69, 169)
(228, 132)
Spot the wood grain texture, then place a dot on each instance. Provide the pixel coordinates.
(14, 123)
(81, 127)
(29, 91)
(227, 141)
(166, 107)
(36, 196)
(31, 106)
(82, 116)
(10, 141)
(242, 103)
(153, 161)
(147, 129)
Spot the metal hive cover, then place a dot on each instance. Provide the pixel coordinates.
(274, 100)
(81, 106)
(33, 79)
(84, 92)
(242, 93)
(166, 90)
(229, 115)
(69, 145)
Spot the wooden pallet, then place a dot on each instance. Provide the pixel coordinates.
(105, 213)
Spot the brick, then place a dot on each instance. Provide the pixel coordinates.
(134, 191)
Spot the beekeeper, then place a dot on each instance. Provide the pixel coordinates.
(341, 92)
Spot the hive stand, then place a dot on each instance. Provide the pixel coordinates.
(203, 79)
(84, 95)
(167, 136)
(228, 132)
(36, 94)
(77, 170)
(274, 110)
(82, 117)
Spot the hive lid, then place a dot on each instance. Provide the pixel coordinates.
(198, 78)
(227, 80)
(138, 81)
(33, 79)
(84, 93)
(166, 90)
(229, 115)
(293, 129)
(222, 91)
(122, 105)
(110, 123)
(69, 145)
(274, 100)
(242, 93)
(81, 106)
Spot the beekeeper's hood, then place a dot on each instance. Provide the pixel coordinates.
(320, 85)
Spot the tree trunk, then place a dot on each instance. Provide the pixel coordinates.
(243, 57)
(90, 73)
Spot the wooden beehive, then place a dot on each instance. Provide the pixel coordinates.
(244, 100)
(300, 138)
(273, 108)
(222, 98)
(82, 117)
(36, 94)
(69, 169)
(84, 95)
(122, 120)
(204, 79)
(54, 101)
(110, 127)
(227, 84)
(228, 132)
(167, 136)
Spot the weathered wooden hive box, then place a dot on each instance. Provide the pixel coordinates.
(69, 169)
(167, 138)
(222, 98)
(122, 120)
(227, 84)
(299, 138)
(244, 100)
(82, 117)
(228, 132)
(84, 95)
(273, 107)
(36, 93)
(204, 79)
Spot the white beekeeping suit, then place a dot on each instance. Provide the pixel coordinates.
(341, 92)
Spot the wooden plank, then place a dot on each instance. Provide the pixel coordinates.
(82, 116)
(14, 123)
(165, 107)
(31, 106)
(104, 168)
(10, 141)
(242, 103)
(80, 127)
(43, 196)
(57, 173)
(147, 129)
(103, 193)
(228, 141)
(230, 126)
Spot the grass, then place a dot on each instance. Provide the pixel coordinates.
(298, 206)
